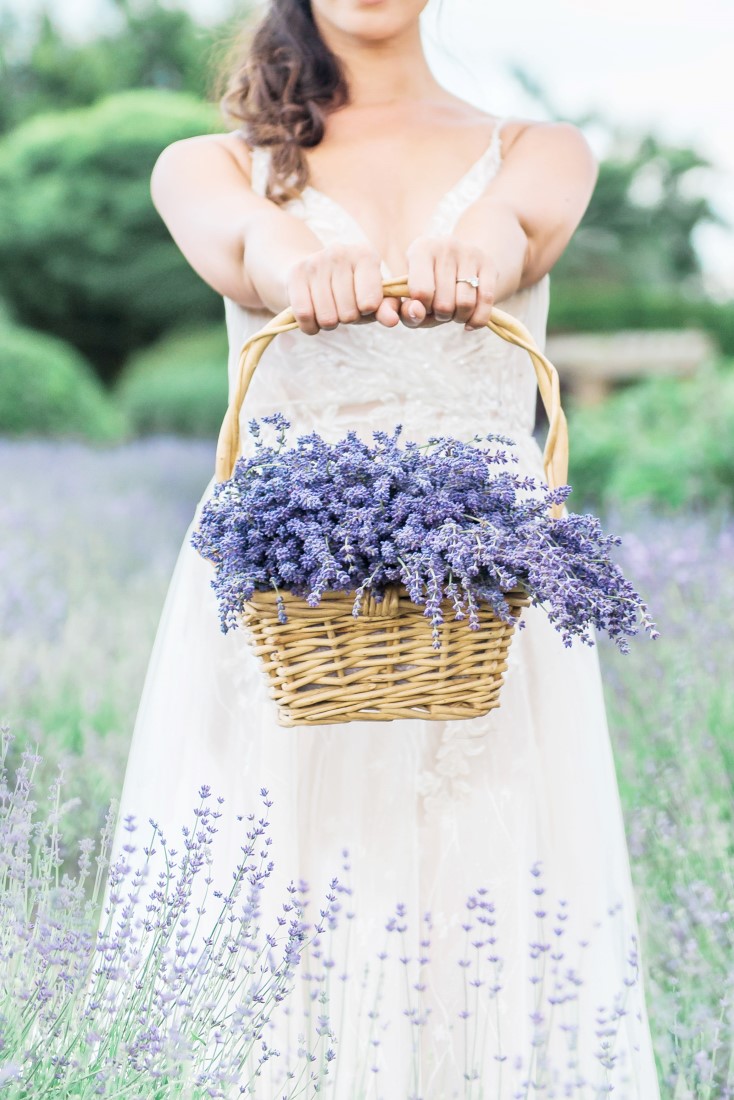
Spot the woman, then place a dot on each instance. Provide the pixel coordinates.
(487, 932)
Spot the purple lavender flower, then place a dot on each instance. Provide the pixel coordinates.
(448, 520)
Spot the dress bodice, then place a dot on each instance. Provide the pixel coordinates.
(433, 381)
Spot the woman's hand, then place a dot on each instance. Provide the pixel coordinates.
(342, 284)
(434, 265)
(339, 284)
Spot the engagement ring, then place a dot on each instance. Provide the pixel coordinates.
(474, 281)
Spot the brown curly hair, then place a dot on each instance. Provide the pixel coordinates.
(282, 82)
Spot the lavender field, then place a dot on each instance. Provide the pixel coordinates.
(90, 537)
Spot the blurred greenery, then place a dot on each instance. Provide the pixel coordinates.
(48, 388)
(578, 305)
(83, 252)
(148, 45)
(639, 228)
(666, 442)
(179, 385)
(632, 264)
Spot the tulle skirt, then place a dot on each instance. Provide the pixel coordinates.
(468, 922)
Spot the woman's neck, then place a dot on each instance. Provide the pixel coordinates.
(382, 73)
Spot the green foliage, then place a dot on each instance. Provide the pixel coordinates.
(47, 388)
(83, 251)
(144, 45)
(596, 307)
(639, 227)
(178, 386)
(667, 442)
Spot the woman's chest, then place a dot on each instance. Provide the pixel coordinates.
(389, 207)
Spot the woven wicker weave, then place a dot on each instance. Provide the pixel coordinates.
(324, 665)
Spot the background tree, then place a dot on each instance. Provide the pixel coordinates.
(83, 252)
(633, 260)
(639, 228)
(151, 46)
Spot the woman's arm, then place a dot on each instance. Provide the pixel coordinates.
(532, 207)
(514, 233)
(249, 249)
(201, 188)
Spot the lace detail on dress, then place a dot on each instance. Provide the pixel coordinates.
(447, 779)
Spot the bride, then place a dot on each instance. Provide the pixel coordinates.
(485, 938)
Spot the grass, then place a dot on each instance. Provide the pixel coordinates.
(90, 537)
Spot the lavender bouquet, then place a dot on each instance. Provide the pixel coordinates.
(451, 521)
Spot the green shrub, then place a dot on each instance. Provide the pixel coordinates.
(149, 44)
(83, 252)
(47, 388)
(590, 307)
(178, 386)
(662, 441)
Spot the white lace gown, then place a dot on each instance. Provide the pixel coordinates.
(500, 839)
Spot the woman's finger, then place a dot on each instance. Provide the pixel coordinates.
(467, 296)
(388, 312)
(485, 296)
(421, 281)
(322, 296)
(445, 271)
(412, 312)
(368, 284)
(299, 296)
(343, 290)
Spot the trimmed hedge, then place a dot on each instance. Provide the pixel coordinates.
(179, 386)
(591, 307)
(47, 388)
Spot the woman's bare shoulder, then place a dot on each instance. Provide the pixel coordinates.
(235, 144)
(469, 115)
(227, 148)
(472, 117)
(514, 128)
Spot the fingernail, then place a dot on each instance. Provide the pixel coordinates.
(412, 313)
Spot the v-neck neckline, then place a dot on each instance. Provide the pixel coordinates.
(438, 208)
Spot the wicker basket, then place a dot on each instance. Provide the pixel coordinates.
(326, 666)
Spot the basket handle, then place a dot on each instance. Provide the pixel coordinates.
(555, 454)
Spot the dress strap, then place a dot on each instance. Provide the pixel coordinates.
(496, 142)
(260, 169)
(259, 166)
